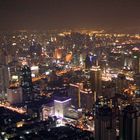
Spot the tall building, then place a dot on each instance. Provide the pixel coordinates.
(121, 83)
(127, 61)
(26, 83)
(58, 53)
(130, 123)
(81, 97)
(74, 94)
(4, 76)
(105, 121)
(136, 60)
(96, 80)
(86, 99)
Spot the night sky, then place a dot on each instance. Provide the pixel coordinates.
(45, 14)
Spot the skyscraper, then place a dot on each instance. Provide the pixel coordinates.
(130, 123)
(26, 83)
(136, 60)
(121, 83)
(95, 80)
(74, 94)
(4, 77)
(105, 121)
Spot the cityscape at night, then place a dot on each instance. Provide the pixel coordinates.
(69, 70)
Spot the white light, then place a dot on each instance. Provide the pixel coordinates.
(63, 101)
(14, 44)
(15, 77)
(34, 68)
(47, 72)
(33, 75)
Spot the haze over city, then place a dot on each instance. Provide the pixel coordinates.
(119, 15)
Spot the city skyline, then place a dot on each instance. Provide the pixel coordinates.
(69, 70)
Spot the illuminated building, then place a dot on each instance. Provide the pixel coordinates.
(121, 83)
(58, 53)
(69, 57)
(34, 71)
(130, 123)
(26, 83)
(14, 95)
(96, 80)
(136, 60)
(105, 121)
(61, 106)
(127, 61)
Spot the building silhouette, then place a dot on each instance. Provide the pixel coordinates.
(96, 80)
(26, 83)
(105, 121)
(130, 123)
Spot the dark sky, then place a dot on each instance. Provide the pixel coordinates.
(44, 14)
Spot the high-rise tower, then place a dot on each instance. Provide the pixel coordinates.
(26, 83)
(4, 77)
(105, 121)
(130, 123)
(121, 83)
(95, 80)
(136, 60)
